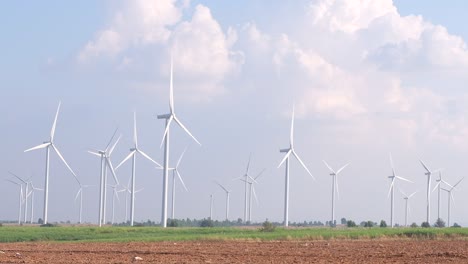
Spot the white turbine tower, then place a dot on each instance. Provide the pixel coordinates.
(288, 152)
(115, 194)
(26, 195)
(47, 145)
(20, 199)
(211, 206)
(133, 153)
(228, 192)
(391, 190)
(80, 193)
(438, 187)
(175, 173)
(105, 163)
(428, 173)
(253, 193)
(171, 116)
(407, 197)
(246, 177)
(33, 189)
(450, 198)
(334, 187)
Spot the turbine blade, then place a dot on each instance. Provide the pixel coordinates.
(180, 158)
(166, 130)
(425, 167)
(411, 195)
(455, 185)
(403, 179)
(448, 184)
(94, 153)
(435, 187)
(391, 163)
(16, 176)
(112, 138)
(38, 147)
(302, 163)
(65, 162)
(248, 164)
(8, 180)
(219, 184)
(328, 166)
(337, 187)
(342, 168)
(77, 193)
(171, 89)
(113, 146)
(135, 133)
(148, 157)
(182, 181)
(285, 157)
(186, 130)
(259, 175)
(391, 186)
(291, 136)
(401, 191)
(139, 190)
(52, 131)
(255, 195)
(109, 164)
(126, 158)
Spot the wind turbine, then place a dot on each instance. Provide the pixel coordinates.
(438, 187)
(252, 192)
(47, 145)
(288, 152)
(105, 163)
(133, 153)
(33, 189)
(20, 199)
(115, 194)
(407, 197)
(175, 172)
(246, 177)
(450, 198)
(26, 194)
(228, 192)
(80, 193)
(171, 116)
(128, 191)
(428, 197)
(391, 190)
(334, 186)
(211, 206)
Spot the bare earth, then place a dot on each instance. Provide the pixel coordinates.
(337, 251)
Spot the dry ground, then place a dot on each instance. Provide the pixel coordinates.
(337, 251)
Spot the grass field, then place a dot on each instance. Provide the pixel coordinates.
(127, 234)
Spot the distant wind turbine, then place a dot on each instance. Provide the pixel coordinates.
(253, 193)
(80, 194)
(47, 145)
(438, 187)
(105, 163)
(450, 198)
(334, 187)
(171, 116)
(33, 189)
(175, 173)
(428, 173)
(26, 194)
(288, 152)
(391, 190)
(20, 199)
(211, 206)
(133, 153)
(407, 197)
(228, 192)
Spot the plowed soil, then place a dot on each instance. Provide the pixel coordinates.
(336, 251)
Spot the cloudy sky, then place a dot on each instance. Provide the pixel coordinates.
(366, 77)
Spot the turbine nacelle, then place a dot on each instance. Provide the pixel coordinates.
(165, 116)
(285, 150)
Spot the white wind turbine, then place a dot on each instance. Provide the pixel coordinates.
(33, 189)
(428, 173)
(175, 173)
(407, 197)
(253, 193)
(20, 199)
(228, 192)
(391, 190)
(450, 198)
(127, 192)
(133, 153)
(334, 186)
(211, 206)
(438, 187)
(288, 152)
(171, 116)
(246, 177)
(26, 194)
(47, 145)
(105, 163)
(115, 194)
(80, 194)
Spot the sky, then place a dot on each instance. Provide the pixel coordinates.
(366, 78)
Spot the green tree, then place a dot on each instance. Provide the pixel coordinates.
(383, 223)
(425, 224)
(439, 223)
(350, 223)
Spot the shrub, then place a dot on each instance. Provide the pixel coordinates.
(414, 225)
(173, 223)
(383, 223)
(456, 225)
(350, 223)
(425, 224)
(48, 225)
(439, 223)
(206, 223)
(267, 226)
(369, 224)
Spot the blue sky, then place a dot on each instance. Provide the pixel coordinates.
(367, 78)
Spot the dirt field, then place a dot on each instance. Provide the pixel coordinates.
(341, 251)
